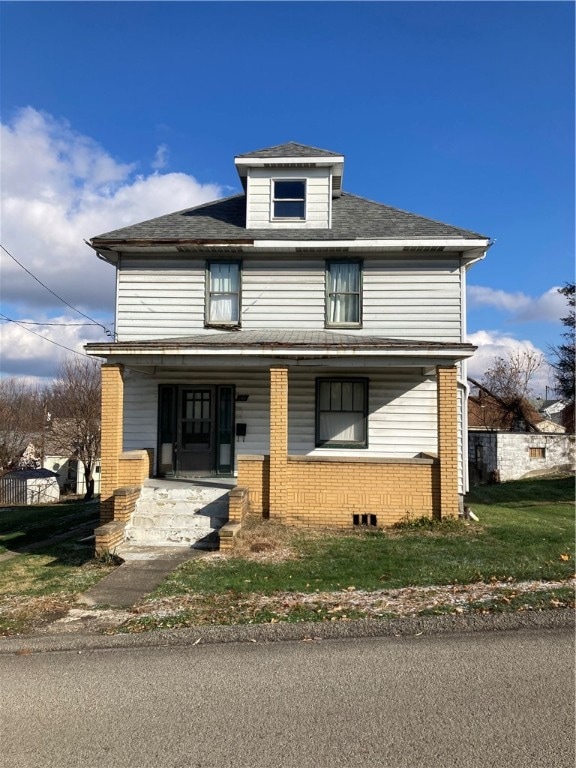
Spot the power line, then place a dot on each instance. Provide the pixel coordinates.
(95, 322)
(61, 325)
(68, 349)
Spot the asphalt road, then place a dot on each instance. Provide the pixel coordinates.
(493, 699)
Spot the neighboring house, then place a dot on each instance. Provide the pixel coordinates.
(71, 474)
(307, 340)
(558, 411)
(509, 440)
(46, 453)
(29, 486)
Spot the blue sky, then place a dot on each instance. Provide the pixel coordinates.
(115, 112)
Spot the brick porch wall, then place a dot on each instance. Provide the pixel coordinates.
(328, 491)
(254, 474)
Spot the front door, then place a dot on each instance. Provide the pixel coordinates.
(195, 450)
(195, 430)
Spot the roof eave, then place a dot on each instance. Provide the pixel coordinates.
(454, 352)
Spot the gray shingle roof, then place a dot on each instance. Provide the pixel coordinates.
(353, 218)
(290, 149)
(286, 340)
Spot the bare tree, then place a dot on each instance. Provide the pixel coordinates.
(21, 419)
(511, 377)
(75, 408)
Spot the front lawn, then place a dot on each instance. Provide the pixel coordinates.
(42, 580)
(21, 526)
(525, 533)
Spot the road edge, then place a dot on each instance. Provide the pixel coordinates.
(269, 633)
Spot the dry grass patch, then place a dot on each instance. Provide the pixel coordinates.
(265, 540)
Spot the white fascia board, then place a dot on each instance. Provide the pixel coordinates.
(455, 244)
(272, 351)
(255, 162)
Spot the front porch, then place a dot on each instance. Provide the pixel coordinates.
(343, 489)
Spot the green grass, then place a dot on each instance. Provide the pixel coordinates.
(40, 584)
(25, 525)
(526, 531)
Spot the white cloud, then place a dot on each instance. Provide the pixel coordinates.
(550, 306)
(492, 344)
(58, 189)
(161, 157)
(24, 353)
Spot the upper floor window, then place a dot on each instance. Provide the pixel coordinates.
(223, 293)
(343, 293)
(289, 199)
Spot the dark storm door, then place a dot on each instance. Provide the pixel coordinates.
(195, 449)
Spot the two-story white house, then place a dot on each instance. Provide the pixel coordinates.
(308, 341)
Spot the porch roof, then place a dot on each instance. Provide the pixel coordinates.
(285, 344)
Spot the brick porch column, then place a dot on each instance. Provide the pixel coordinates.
(112, 436)
(447, 395)
(278, 440)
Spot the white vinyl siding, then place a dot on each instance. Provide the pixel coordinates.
(141, 406)
(401, 413)
(160, 299)
(283, 294)
(402, 299)
(401, 410)
(259, 207)
(412, 299)
(402, 419)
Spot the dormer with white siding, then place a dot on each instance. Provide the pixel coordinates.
(290, 186)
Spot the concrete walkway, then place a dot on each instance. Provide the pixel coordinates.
(141, 572)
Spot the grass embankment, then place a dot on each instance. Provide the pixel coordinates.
(525, 533)
(42, 580)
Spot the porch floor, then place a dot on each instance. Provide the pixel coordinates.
(187, 482)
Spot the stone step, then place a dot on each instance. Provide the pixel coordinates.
(192, 494)
(193, 537)
(216, 508)
(178, 515)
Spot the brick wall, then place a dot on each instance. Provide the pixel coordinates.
(112, 436)
(278, 437)
(254, 474)
(328, 491)
(134, 467)
(447, 400)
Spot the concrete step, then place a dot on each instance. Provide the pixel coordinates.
(191, 493)
(215, 508)
(184, 514)
(165, 537)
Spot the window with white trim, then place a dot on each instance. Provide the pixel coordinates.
(223, 293)
(343, 294)
(289, 199)
(342, 413)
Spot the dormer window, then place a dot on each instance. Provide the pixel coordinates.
(289, 200)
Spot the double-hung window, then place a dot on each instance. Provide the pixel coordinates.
(289, 199)
(223, 293)
(342, 413)
(343, 294)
